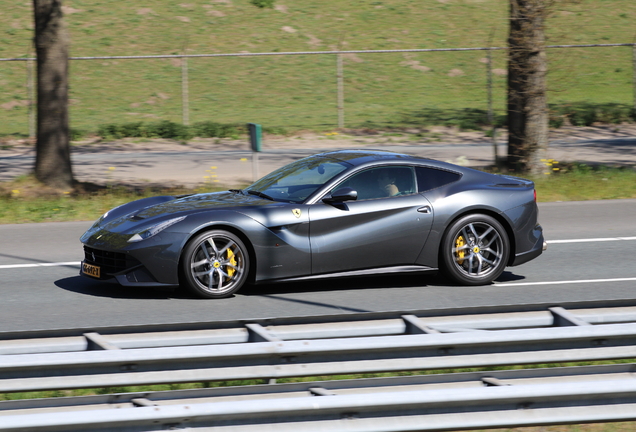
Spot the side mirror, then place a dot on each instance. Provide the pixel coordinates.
(341, 195)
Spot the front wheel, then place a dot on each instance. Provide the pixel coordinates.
(215, 264)
(475, 250)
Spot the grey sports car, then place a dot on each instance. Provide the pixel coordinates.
(341, 213)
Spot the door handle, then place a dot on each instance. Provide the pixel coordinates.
(425, 209)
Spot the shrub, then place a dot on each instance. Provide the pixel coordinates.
(275, 130)
(116, 131)
(555, 120)
(169, 130)
(263, 3)
(209, 129)
(464, 118)
(77, 134)
(586, 113)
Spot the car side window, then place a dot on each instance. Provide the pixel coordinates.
(431, 178)
(381, 182)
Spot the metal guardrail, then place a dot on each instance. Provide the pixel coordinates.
(358, 343)
(431, 403)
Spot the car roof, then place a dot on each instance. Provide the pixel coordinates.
(363, 157)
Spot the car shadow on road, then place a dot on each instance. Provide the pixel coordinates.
(509, 277)
(411, 280)
(346, 283)
(111, 289)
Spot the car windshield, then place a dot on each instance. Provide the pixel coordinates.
(298, 180)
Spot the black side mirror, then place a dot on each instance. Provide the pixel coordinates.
(341, 195)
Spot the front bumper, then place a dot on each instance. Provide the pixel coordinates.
(123, 267)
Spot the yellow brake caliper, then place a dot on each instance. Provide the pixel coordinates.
(232, 259)
(459, 242)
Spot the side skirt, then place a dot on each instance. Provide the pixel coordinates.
(354, 273)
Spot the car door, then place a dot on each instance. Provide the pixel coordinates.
(282, 249)
(373, 231)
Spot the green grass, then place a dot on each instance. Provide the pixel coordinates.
(583, 182)
(299, 92)
(25, 201)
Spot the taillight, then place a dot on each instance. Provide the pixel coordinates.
(535, 195)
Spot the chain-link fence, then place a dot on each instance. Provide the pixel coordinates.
(314, 89)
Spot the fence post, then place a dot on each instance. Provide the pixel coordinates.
(491, 116)
(634, 76)
(340, 78)
(184, 91)
(31, 96)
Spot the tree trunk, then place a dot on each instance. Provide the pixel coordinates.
(527, 103)
(53, 159)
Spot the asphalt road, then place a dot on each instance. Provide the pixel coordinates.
(590, 257)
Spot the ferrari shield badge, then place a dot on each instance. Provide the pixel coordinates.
(297, 212)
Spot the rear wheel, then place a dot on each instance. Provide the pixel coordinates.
(215, 264)
(475, 250)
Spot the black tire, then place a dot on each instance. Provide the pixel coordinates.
(474, 250)
(215, 264)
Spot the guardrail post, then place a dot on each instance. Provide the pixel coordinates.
(95, 341)
(257, 333)
(415, 326)
(564, 318)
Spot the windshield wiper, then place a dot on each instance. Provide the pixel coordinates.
(260, 194)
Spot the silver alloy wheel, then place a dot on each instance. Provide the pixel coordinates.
(478, 249)
(218, 264)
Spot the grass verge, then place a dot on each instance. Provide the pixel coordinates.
(25, 201)
(580, 182)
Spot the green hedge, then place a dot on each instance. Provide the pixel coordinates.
(577, 114)
(168, 129)
(587, 113)
(171, 130)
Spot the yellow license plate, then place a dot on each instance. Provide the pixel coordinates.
(91, 270)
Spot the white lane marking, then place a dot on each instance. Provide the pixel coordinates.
(631, 279)
(603, 239)
(59, 264)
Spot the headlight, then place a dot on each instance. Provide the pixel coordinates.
(155, 229)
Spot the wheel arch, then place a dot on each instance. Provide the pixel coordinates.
(231, 229)
(499, 217)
